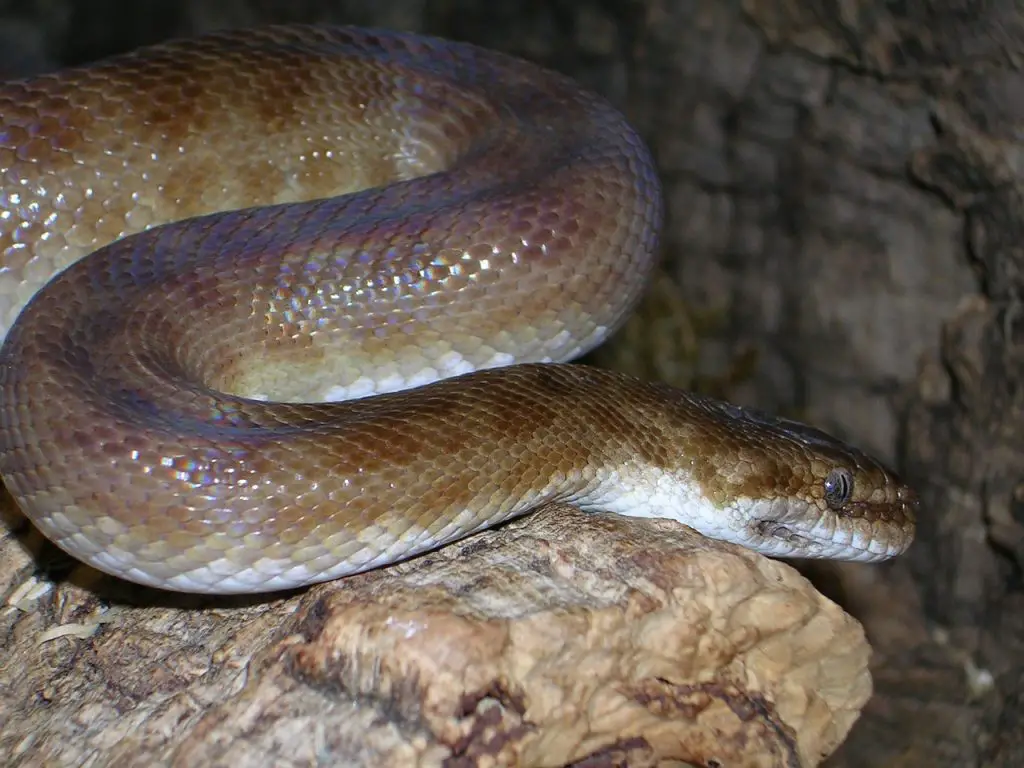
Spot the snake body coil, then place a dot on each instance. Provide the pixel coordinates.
(354, 213)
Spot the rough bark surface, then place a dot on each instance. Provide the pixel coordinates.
(843, 182)
(558, 640)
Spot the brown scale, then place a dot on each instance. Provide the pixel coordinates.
(422, 201)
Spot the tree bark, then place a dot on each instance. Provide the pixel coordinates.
(843, 245)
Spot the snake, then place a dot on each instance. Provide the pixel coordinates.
(285, 304)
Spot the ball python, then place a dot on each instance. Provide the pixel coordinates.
(285, 304)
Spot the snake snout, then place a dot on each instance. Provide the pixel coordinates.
(858, 532)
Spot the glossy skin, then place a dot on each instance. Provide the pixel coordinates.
(505, 217)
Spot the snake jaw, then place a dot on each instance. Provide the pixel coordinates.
(802, 534)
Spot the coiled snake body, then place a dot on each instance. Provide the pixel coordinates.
(354, 213)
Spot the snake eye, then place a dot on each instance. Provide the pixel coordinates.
(838, 487)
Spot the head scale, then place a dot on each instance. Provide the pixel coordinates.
(799, 491)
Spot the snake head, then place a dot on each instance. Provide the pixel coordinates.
(845, 505)
(790, 490)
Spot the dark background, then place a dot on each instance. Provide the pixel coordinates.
(843, 245)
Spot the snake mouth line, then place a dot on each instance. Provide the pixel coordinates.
(776, 539)
(772, 529)
(780, 540)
